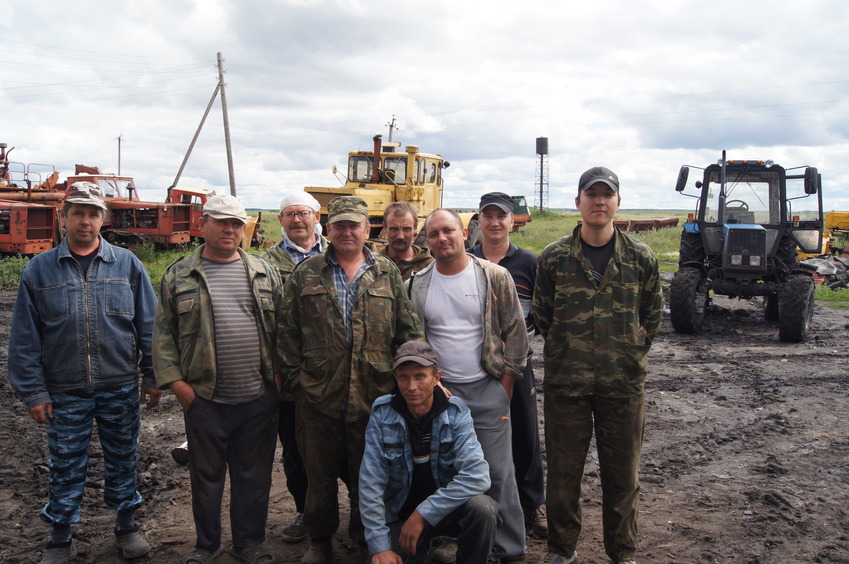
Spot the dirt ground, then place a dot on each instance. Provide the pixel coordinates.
(746, 457)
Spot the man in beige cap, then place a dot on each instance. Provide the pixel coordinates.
(346, 313)
(214, 347)
(299, 220)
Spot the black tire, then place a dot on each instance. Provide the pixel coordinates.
(691, 249)
(796, 308)
(474, 234)
(771, 307)
(688, 300)
(786, 258)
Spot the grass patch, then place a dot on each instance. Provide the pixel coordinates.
(835, 299)
(10, 272)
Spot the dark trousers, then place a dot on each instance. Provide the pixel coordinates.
(619, 424)
(527, 455)
(293, 463)
(241, 438)
(332, 449)
(473, 524)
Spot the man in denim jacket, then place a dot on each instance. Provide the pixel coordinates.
(423, 472)
(81, 332)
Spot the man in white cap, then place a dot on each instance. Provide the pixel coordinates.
(299, 219)
(214, 333)
(81, 333)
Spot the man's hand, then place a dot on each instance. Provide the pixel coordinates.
(387, 557)
(42, 413)
(508, 382)
(149, 396)
(184, 393)
(410, 533)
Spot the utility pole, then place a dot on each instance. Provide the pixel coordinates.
(226, 125)
(120, 135)
(391, 125)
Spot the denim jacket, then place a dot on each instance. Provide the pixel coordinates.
(69, 332)
(457, 464)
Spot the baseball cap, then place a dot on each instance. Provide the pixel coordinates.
(599, 174)
(347, 208)
(86, 193)
(415, 351)
(503, 201)
(299, 198)
(225, 206)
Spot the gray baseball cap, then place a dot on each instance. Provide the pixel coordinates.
(599, 174)
(415, 351)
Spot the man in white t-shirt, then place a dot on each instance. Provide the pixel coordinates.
(473, 319)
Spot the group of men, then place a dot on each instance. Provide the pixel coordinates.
(404, 372)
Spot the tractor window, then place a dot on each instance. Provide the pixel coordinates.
(520, 205)
(395, 169)
(806, 206)
(750, 197)
(430, 172)
(108, 187)
(359, 169)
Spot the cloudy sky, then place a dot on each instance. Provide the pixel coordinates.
(639, 86)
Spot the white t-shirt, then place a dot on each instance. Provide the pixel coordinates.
(453, 316)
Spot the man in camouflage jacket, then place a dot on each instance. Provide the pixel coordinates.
(598, 303)
(347, 312)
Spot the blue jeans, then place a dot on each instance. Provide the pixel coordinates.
(118, 417)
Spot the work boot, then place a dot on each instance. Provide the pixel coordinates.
(319, 552)
(131, 543)
(295, 531)
(446, 552)
(59, 553)
(557, 559)
(536, 522)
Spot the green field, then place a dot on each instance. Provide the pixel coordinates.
(545, 228)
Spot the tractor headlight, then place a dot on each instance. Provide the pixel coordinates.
(755, 260)
(737, 260)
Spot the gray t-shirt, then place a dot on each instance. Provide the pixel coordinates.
(239, 378)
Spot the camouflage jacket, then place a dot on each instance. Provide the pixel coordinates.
(505, 338)
(421, 259)
(597, 336)
(337, 378)
(277, 257)
(184, 329)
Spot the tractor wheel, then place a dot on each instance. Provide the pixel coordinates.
(796, 308)
(771, 307)
(786, 258)
(688, 300)
(691, 249)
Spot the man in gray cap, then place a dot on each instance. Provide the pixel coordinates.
(81, 333)
(346, 313)
(299, 219)
(423, 472)
(496, 224)
(597, 302)
(215, 335)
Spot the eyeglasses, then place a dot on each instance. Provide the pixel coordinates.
(301, 214)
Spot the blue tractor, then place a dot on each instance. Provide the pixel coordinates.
(742, 241)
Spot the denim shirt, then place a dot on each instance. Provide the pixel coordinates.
(71, 333)
(457, 464)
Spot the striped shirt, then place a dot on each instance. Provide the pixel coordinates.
(239, 377)
(348, 292)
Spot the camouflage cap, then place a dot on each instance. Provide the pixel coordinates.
(415, 351)
(86, 193)
(347, 208)
(225, 206)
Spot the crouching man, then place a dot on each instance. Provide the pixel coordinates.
(423, 473)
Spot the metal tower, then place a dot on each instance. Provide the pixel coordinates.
(541, 183)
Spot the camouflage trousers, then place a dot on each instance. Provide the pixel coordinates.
(619, 424)
(69, 432)
(332, 448)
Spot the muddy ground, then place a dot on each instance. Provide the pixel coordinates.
(746, 457)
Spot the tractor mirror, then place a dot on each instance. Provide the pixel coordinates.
(812, 180)
(683, 174)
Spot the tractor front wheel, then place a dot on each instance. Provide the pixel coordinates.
(795, 308)
(688, 300)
